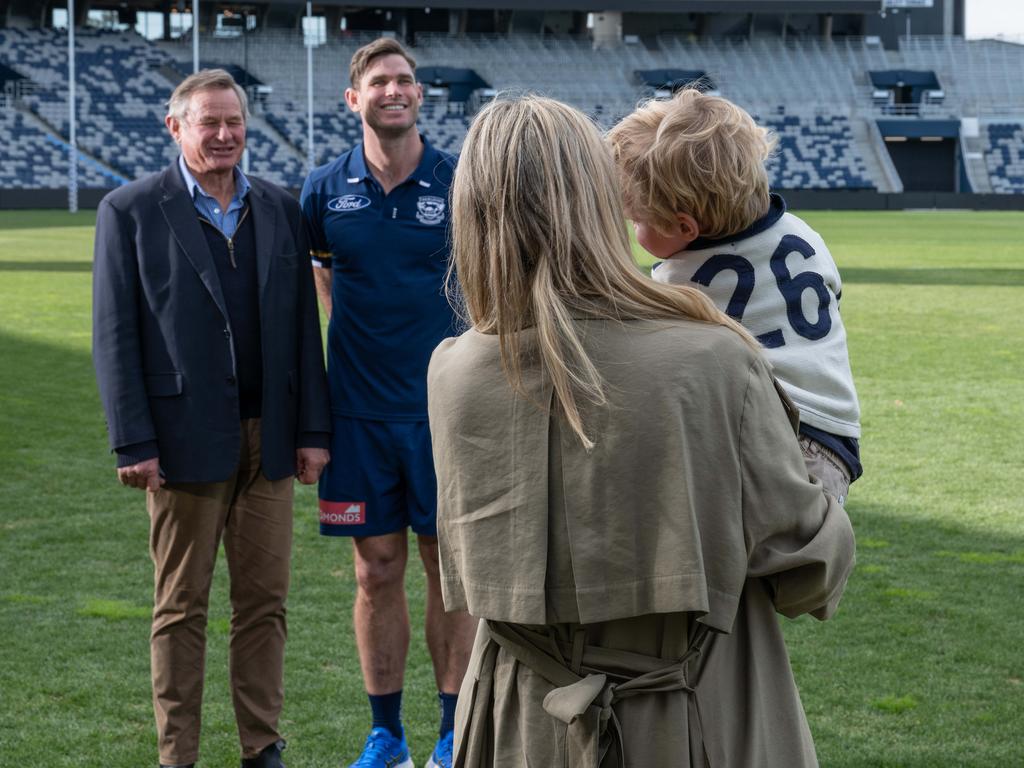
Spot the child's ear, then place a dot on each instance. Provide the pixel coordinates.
(689, 230)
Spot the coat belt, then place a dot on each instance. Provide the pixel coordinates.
(589, 680)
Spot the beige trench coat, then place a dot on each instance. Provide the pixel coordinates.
(630, 592)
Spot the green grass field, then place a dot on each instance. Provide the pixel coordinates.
(923, 665)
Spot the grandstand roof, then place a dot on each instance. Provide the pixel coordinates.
(652, 6)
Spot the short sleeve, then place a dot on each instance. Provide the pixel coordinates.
(319, 251)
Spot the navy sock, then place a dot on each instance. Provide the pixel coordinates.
(448, 702)
(387, 712)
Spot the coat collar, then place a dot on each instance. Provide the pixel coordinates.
(264, 221)
(183, 220)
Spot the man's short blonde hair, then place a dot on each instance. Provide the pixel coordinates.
(382, 46)
(204, 80)
(695, 154)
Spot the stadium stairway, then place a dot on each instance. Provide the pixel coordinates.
(878, 165)
(272, 156)
(974, 163)
(41, 159)
(113, 178)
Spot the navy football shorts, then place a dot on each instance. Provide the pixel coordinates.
(380, 479)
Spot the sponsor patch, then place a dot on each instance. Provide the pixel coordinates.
(342, 512)
(430, 209)
(348, 203)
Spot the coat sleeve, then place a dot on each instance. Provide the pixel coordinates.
(314, 403)
(798, 538)
(116, 344)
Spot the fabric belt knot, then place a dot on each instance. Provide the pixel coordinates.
(570, 701)
(584, 699)
(576, 705)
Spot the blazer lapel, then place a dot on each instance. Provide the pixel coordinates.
(264, 219)
(184, 224)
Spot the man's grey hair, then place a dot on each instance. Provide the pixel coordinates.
(204, 80)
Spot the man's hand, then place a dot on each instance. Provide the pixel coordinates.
(144, 475)
(309, 463)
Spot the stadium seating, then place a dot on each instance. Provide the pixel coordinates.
(815, 153)
(273, 159)
(1004, 157)
(123, 80)
(120, 93)
(121, 89)
(41, 159)
(334, 130)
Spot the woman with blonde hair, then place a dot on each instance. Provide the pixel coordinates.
(621, 496)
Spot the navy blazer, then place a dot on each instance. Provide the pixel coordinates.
(162, 347)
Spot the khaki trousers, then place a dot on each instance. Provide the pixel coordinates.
(825, 464)
(187, 523)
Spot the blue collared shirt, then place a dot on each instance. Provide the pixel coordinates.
(209, 208)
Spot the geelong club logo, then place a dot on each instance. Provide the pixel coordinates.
(430, 210)
(348, 203)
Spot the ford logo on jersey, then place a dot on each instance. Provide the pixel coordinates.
(348, 203)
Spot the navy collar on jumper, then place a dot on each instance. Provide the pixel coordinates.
(423, 173)
(776, 207)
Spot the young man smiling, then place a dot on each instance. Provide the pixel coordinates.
(378, 217)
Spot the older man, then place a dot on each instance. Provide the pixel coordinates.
(206, 341)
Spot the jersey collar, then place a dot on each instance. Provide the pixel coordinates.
(423, 174)
(776, 207)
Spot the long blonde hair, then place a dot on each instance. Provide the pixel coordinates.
(539, 237)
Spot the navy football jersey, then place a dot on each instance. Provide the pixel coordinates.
(389, 256)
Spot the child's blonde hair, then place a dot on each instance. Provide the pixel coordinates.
(695, 154)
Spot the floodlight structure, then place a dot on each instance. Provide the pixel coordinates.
(72, 141)
(310, 154)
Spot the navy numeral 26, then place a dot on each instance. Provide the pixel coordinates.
(791, 287)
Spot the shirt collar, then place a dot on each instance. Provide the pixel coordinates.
(423, 173)
(242, 185)
(776, 208)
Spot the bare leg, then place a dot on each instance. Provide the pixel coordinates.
(380, 615)
(449, 635)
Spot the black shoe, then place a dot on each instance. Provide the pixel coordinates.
(190, 765)
(270, 757)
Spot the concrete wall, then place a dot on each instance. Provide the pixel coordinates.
(51, 199)
(796, 199)
(865, 200)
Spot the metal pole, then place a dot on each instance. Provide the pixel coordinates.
(245, 51)
(310, 153)
(908, 29)
(195, 36)
(72, 141)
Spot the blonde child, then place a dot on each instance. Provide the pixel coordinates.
(695, 185)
